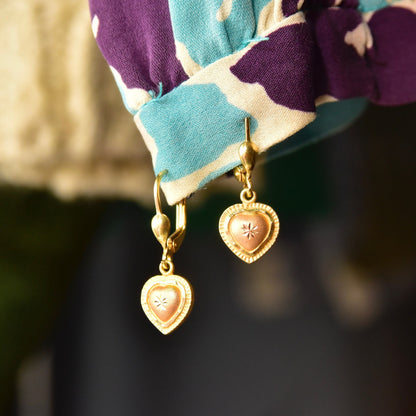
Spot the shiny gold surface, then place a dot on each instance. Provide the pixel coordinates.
(248, 150)
(161, 223)
(249, 230)
(161, 228)
(166, 300)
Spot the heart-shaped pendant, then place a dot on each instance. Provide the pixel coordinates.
(166, 301)
(249, 230)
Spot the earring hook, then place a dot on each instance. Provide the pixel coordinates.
(161, 224)
(248, 150)
(248, 153)
(156, 190)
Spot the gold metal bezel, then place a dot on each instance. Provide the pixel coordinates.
(185, 308)
(230, 212)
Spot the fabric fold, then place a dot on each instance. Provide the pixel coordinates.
(268, 60)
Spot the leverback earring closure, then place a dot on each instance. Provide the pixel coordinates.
(167, 298)
(161, 228)
(248, 154)
(248, 229)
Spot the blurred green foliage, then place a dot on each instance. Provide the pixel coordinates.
(41, 245)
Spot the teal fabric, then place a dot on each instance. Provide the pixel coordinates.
(373, 5)
(206, 108)
(195, 25)
(190, 71)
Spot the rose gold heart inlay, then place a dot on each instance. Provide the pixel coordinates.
(249, 229)
(164, 301)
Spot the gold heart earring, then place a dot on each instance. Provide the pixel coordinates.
(167, 298)
(248, 229)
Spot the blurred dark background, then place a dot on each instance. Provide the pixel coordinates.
(324, 324)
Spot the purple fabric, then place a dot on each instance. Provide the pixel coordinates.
(339, 70)
(393, 58)
(136, 38)
(282, 65)
(318, 53)
(290, 7)
(306, 61)
(303, 61)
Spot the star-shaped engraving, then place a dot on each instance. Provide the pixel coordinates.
(160, 302)
(249, 231)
